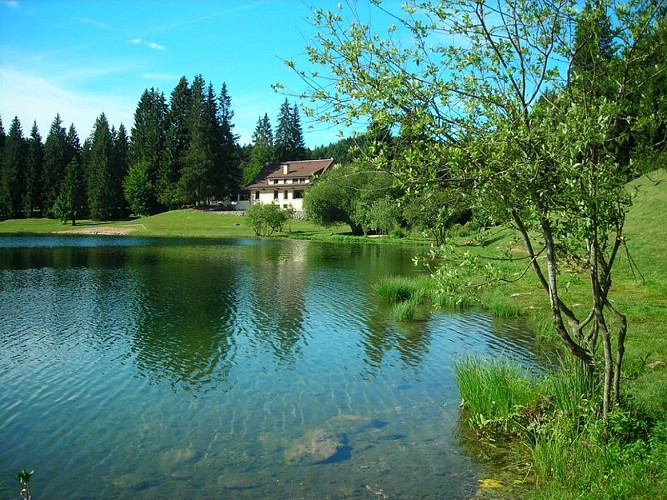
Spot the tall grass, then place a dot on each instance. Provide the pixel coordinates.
(492, 390)
(568, 387)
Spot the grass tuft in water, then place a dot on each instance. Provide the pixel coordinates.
(401, 288)
(405, 310)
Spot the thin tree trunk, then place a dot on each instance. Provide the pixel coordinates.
(554, 300)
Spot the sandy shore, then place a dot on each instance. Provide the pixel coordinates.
(103, 230)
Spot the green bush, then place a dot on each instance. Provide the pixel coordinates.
(265, 219)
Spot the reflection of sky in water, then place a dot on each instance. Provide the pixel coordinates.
(188, 369)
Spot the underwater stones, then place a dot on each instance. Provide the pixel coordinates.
(176, 458)
(316, 446)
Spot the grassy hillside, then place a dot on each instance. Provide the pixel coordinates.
(642, 292)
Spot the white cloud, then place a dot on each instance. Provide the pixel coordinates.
(34, 98)
(13, 4)
(150, 45)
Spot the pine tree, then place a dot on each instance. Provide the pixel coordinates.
(99, 166)
(33, 174)
(177, 139)
(298, 144)
(73, 149)
(283, 136)
(594, 43)
(263, 150)
(71, 201)
(3, 137)
(289, 135)
(230, 172)
(119, 170)
(194, 184)
(12, 174)
(147, 142)
(56, 152)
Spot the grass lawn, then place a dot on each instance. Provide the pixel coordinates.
(176, 223)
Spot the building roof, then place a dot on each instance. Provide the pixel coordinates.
(294, 170)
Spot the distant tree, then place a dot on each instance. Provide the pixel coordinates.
(147, 142)
(263, 149)
(345, 195)
(194, 184)
(119, 170)
(593, 41)
(384, 215)
(101, 190)
(71, 201)
(176, 143)
(299, 150)
(230, 170)
(12, 174)
(73, 149)
(3, 136)
(138, 188)
(56, 159)
(33, 174)
(289, 141)
(434, 212)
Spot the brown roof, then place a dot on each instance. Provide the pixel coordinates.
(295, 169)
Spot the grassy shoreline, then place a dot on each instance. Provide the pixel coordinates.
(192, 223)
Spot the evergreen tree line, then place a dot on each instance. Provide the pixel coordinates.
(180, 152)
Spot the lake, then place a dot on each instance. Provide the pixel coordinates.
(173, 368)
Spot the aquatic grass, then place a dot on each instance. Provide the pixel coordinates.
(405, 310)
(401, 288)
(395, 289)
(492, 390)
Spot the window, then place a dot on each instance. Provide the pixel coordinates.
(257, 195)
(285, 195)
(275, 195)
(298, 194)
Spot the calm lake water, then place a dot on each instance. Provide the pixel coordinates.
(137, 368)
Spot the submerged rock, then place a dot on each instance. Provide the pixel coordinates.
(317, 446)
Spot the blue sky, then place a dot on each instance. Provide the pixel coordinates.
(80, 58)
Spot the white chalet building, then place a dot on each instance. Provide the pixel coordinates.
(284, 183)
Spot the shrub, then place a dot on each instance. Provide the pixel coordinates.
(265, 219)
